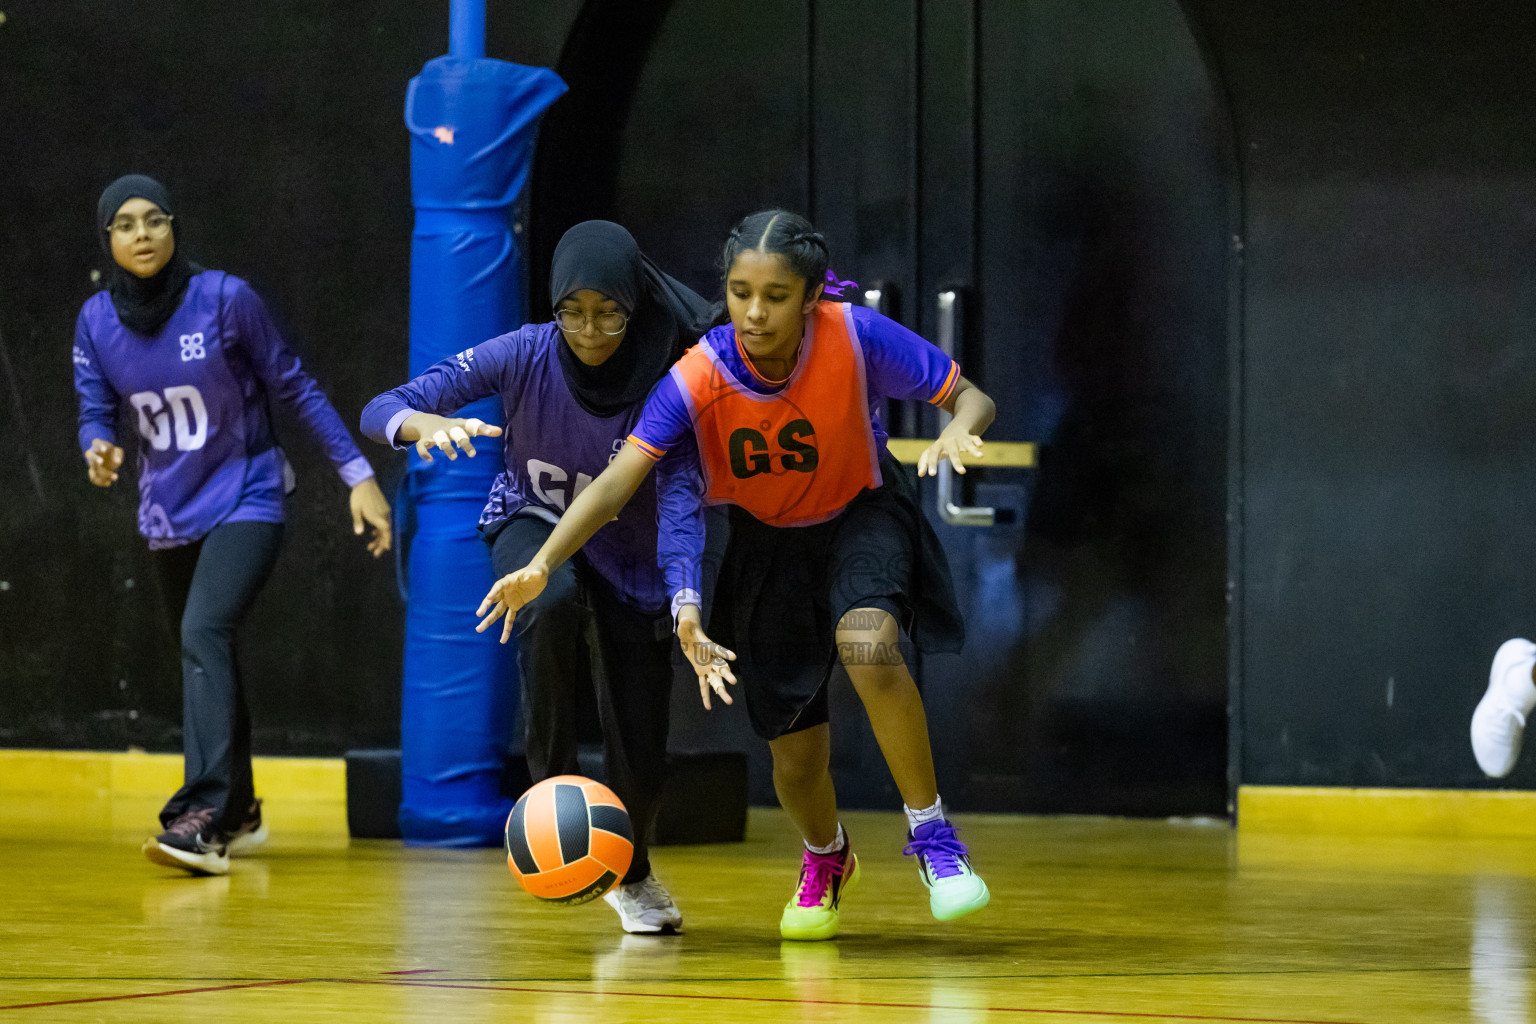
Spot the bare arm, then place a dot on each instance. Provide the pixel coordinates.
(602, 499)
(972, 408)
(596, 506)
(973, 412)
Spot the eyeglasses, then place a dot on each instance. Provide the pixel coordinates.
(156, 225)
(572, 322)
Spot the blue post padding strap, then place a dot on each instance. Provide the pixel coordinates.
(472, 126)
(456, 222)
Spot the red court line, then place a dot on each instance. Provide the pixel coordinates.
(421, 970)
(839, 1002)
(156, 995)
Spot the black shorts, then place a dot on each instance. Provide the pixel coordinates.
(782, 591)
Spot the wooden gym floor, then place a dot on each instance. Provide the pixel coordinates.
(1092, 921)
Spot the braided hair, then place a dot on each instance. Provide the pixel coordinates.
(791, 236)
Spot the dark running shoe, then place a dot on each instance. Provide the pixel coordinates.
(192, 844)
(250, 835)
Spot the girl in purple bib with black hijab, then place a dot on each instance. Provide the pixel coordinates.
(196, 358)
(571, 391)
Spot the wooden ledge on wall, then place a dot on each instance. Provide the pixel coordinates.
(1422, 813)
(996, 454)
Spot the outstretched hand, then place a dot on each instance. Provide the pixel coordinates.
(509, 595)
(443, 433)
(951, 443)
(102, 462)
(710, 661)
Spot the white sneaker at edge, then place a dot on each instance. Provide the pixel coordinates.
(1498, 724)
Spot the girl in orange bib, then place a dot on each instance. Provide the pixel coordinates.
(829, 557)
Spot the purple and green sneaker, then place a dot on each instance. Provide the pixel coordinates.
(944, 864)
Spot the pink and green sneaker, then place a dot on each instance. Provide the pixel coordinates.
(944, 864)
(812, 912)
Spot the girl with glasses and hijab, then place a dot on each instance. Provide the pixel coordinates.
(195, 356)
(571, 390)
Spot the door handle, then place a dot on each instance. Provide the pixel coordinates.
(950, 325)
(884, 298)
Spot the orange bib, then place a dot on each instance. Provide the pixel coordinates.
(796, 457)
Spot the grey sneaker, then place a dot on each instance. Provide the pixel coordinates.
(250, 835)
(192, 844)
(646, 908)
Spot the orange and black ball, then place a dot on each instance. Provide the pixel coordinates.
(569, 840)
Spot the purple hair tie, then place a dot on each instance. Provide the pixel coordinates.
(833, 288)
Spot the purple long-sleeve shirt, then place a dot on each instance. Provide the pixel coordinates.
(552, 449)
(898, 364)
(198, 388)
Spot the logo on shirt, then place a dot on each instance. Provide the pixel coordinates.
(751, 457)
(81, 359)
(192, 347)
(465, 358)
(181, 417)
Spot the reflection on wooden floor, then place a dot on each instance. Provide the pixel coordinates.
(1092, 921)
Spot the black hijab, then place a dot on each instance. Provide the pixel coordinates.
(143, 303)
(665, 315)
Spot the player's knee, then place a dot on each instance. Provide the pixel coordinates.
(558, 609)
(202, 637)
(801, 758)
(562, 620)
(797, 771)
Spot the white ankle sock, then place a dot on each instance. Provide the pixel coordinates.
(927, 814)
(832, 847)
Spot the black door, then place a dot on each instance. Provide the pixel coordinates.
(1043, 185)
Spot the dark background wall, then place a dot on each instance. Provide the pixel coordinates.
(1388, 379)
(1067, 167)
(278, 128)
(1070, 164)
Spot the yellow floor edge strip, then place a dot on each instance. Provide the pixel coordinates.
(1284, 809)
(1441, 813)
(95, 773)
